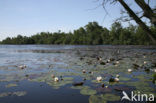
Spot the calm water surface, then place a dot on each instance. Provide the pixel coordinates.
(34, 84)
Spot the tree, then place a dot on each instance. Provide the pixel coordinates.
(147, 11)
(105, 36)
(115, 32)
(92, 33)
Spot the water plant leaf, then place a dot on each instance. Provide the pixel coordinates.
(96, 99)
(11, 85)
(88, 91)
(80, 87)
(19, 93)
(103, 98)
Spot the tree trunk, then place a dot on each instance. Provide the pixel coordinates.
(148, 12)
(138, 21)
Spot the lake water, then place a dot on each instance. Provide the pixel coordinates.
(74, 64)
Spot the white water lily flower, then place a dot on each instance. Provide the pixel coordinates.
(99, 78)
(145, 62)
(56, 79)
(116, 79)
(84, 71)
(106, 86)
(129, 70)
(108, 60)
(22, 66)
(117, 62)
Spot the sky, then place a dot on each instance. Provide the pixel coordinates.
(28, 17)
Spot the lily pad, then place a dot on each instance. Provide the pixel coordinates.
(124, 79)
(80, 87)
(11, 85)
(96, 99)
(5, 94)
(19, 93)
(103, 98)
(67, 78)
(88, 91)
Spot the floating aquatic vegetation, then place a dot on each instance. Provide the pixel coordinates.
(95, 81)
(122, 88)
(88, 91)
(18, 93)
(125, 78)
(56, 85)
(11, 85)
(103, 98)
(39, 79)
(68, 67)
(80, 87)
(106, 82)
(95, 99)
(154, 78)
(104, 89)
(50, 81)
(5, 94)
(12, 77)
(141, 86)
(68, 78)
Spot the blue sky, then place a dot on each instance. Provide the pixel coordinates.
(28, 17)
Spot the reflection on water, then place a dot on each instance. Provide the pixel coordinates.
(74, 65)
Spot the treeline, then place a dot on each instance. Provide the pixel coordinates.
(91, 34)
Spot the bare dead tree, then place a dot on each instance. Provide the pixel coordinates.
(147, 11)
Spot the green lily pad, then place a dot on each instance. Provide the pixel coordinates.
(124, 79)
(19, 93)
(11, 85)
(141, 86)
(80, 87)
(96, 99)
(87, 91)
(95, 81)
(67, 78)
(103, 98)
(4, 94)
